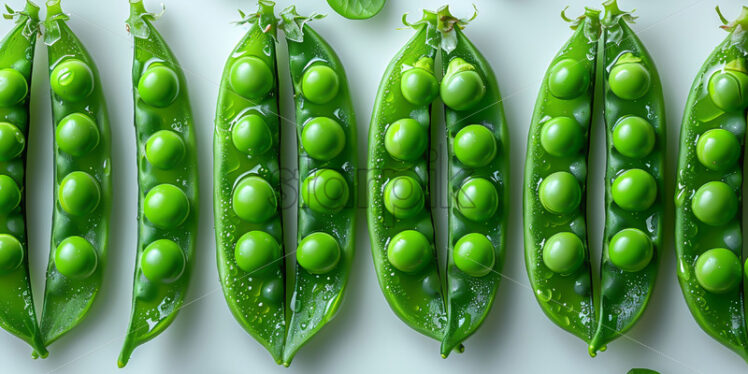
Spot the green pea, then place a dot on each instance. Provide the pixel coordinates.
(323, 138)
(403, 197)
(633, 137)
(251, 77)
(79, 193)
(76, 258)
(166, 206)
(77, 134)
(11, 254)
(419, 86)
(409, 251)
(462, 90)
(158, 86)
(165, 149)
(634, 190)
(10, 194)
(718, 149)
(561, 136)
(320, 84)
(629, 81)
(560, 193)
(13, 87)
(272, 291)
(715, 203)
(568, 79)
(718, 270)
(12, 141)
(318, 253)
(728, 90)
(256, 250)
(162, 261)
(477, 199)
(475, 146)
(251, 135)
(563, 253)
(405, 139)
(474, 255)
(254, 200)
(325, 191)
(630, 250)
(72, 80)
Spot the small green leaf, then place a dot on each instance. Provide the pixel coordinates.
(357, 9)
(642, 371)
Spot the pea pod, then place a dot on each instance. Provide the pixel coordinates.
(708, 218)
(167, 180)
(17, 314)
(80, 225)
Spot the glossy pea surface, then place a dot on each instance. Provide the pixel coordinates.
(419, 86)
(718, 270)
(320, 84)
(75, 257)
(629, 81)
(634, 137)
(251, 77)
(254, 200)
(478, 199)
(634, 190)
(165, 149)
(12, 141)
(631, 250)
(162, 261)
(325, 191)
(11, 254)
(560, 193)
(158, 86)
(474, 254)
(403, 197)
(10, 194)
(251, 135)
(323, 138)
(563, 253)
(715, 203)
(77, 134)
(79, 193)
(72, 80)
(475, 146)
(318, 253)
(406, 139)
(409, 251)
(256, 250)
(718, 149)
(13, 87)
(462, 90)
(729, 90)
(568, 79)
(562, 136)
(166, 206)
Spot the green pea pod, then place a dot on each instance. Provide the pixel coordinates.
(326, 133)
(478, 144)
(80, 225)
(249, 238)
(17, 314)
(168, 183)
(708, 218)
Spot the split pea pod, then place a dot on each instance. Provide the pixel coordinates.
(17, 313)
(167, 181)
(80, 224)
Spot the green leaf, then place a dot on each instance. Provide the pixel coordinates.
(357, 9)
(642, 371)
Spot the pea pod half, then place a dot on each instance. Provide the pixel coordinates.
(17, 314)
(80, 225)
(167, 180)
(708, 218)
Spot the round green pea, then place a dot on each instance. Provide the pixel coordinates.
(72, 80)
(11, 254)
(561, 136)
(323, 138)
(560, 193)
(76, 258)
(403, 197)
(325, 191)
(568, 79)
(477, 199)
(718, 149)
(77, 134)
(12, 141)
(162, 261)
(630, 250)
(419, 86)
(718, 270)
(10, 194)
(318, 253)
(79, 193)
(159, 86)
(165, 149)
(629, 81)
(409, 251)
(728, 90)
(474, 255)
(251, 77)
(166, 206)
(406, 139)
(715, 203)
(256, 250)
(633, 137)
(563, 253)
(634, 190)
(475, 146)
(463, 90)
(254, 200)
(320, 84)
(13, 87)
(251, 135)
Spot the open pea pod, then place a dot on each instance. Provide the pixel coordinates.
(708, 218)
(167, 181)
(80, 223)
(17, 314)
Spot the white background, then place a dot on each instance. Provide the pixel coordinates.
(519, 38)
